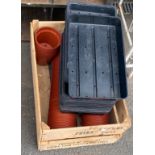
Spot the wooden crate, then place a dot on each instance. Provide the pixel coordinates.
(69, 137)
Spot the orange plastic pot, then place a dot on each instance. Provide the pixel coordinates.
(94, 119)
(47, 43)
(56, 118)
(106, 118)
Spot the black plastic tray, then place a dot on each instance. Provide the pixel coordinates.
(84, 104)
(92, 61)
(116, 59)
(80, 106)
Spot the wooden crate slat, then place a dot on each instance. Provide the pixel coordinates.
(78, 132)
(70, 143)
(35, 85)
(35, 2)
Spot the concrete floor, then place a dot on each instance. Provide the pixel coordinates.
(28, 130)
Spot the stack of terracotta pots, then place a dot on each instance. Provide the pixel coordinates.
(47, 41)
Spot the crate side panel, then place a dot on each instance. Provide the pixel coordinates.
(70, 143)
(35, 87)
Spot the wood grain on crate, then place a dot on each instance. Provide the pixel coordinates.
(77, 142)
(64, 2)
(36, 87)
(44, 86)
(36, 2)
(69, 137)
(58, 2)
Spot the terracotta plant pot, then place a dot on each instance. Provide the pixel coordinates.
(94, 119)
(56, 118)
(106, 118)
(47, 42)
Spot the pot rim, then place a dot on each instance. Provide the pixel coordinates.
(52, 31)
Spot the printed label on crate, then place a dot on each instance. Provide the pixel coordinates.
(99, 130)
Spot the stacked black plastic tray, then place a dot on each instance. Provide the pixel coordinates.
(92, 76)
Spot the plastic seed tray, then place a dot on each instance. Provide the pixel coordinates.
(93, 73)
(99, 46)
(92, 61)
